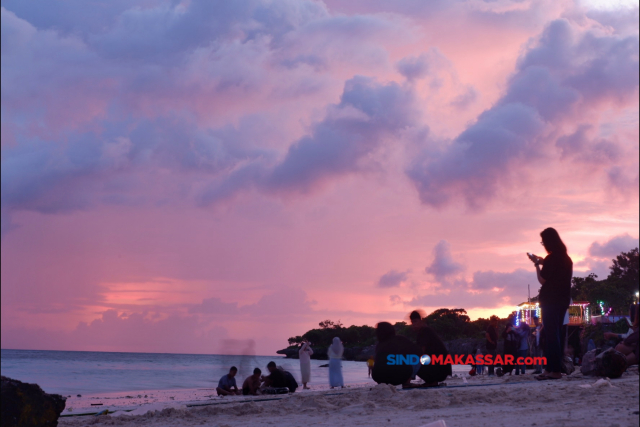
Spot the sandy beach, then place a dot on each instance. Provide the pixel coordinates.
(478, 401)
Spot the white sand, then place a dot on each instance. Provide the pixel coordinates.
(514, 401)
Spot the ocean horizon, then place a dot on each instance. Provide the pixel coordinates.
(88, 372)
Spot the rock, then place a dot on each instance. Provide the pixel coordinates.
(26, 405)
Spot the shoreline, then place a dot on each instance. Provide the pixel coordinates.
(482, 401)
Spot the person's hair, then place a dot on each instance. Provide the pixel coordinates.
(385, 331)
(233, 368)
(415, 315)
(257, 371)
(493, 319)
(271, 364)
(552, 241)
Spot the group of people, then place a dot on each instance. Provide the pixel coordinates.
(520, 341)
(554, 272)
(427, 342)
(278, 381)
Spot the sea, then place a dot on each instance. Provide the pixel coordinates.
(88, 372)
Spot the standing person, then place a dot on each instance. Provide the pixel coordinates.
(511, 344)
(492, 341)
(537, 344)
(479, 367)
(305, 353)
(336, 349)
(227, 384)
(523, 332)
(370, 362)
(555, 293)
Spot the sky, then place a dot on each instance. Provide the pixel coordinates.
(216, 177)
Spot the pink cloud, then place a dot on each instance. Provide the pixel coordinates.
(245, 170)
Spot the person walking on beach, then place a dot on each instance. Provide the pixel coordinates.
(304, 354)
(492, 341)
(554, 274)
(227, 384)
(336, 349)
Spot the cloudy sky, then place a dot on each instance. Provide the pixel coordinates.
(187, 176)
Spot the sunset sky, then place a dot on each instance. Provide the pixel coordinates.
(187, 176)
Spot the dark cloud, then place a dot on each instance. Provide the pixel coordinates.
(613, 247)
(554, 81)
(414, 67)
(486, 289)
(368, 113)
(580, 146)
(465, 99)
(282, 302)
(443, 265)
(392, 279)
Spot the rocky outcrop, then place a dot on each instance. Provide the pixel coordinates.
(26, 405)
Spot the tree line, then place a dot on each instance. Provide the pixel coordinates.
(617, 292)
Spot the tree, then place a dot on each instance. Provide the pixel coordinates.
(449, 323)
(328, 324)
(580, 287)
(296, 340)
(625, 270)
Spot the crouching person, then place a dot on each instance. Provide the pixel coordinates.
(227, 384)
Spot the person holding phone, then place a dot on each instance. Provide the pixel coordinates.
(554, 274)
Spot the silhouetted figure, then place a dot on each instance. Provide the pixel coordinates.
(276, 377)
(511, 343)
(391, 344)
(251, 385)
(492, 342)
(227, 384)
(429, 343)
(554, 274)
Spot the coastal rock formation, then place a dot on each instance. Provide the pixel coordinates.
(26, 405)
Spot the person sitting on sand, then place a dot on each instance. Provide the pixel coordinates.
(251, 385)
(276, 377)
(227, 384)
(292, 384)
(630, 344)
(429, 343)
(391, 344)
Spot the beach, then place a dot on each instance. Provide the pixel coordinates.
(575, 400)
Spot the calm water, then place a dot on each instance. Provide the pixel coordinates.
(84, 372)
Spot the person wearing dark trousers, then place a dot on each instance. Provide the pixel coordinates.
(492, 342)
(554, 274)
